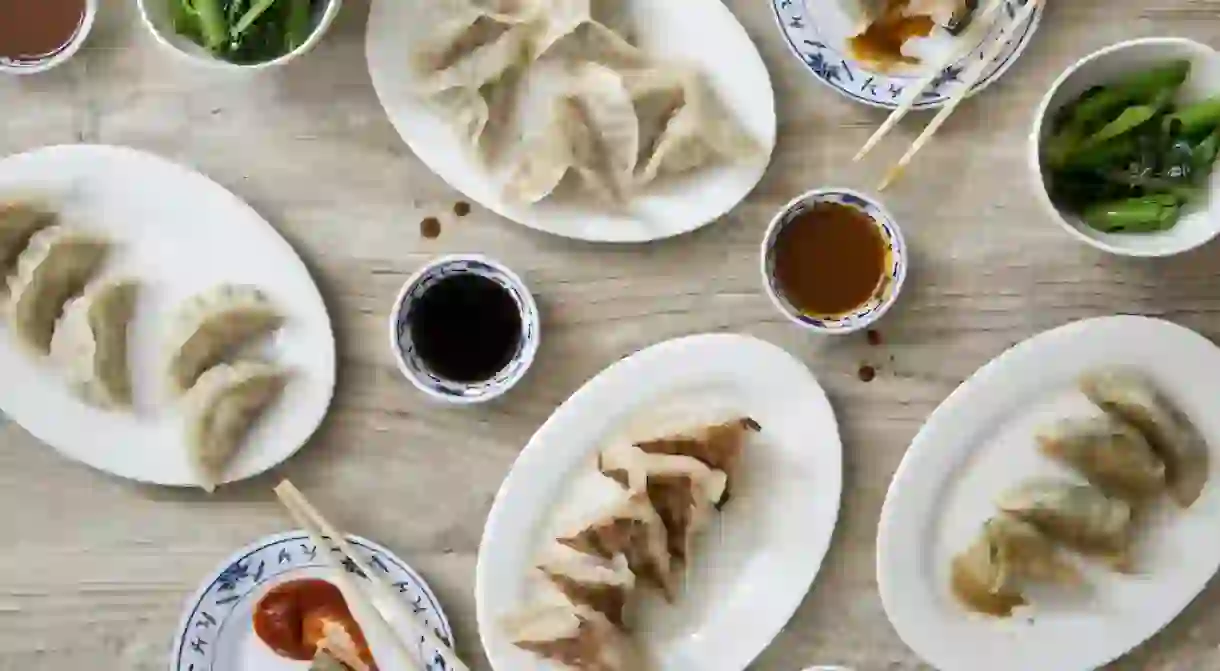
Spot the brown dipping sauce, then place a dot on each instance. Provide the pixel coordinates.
(31, 30)
(829, 260)
(289, 619)
(882, 41)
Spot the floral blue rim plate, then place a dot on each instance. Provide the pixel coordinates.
(216, 631)
(819, 40)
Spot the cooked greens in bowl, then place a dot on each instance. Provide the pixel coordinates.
(245, 31)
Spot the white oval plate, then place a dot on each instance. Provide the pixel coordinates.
(752, 568)
(701, 33)
(980, 441)
(819, 39)
(179, 233)
(217, 632)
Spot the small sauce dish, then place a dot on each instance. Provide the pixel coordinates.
(464, 329)
(37, 35)
(833, 261)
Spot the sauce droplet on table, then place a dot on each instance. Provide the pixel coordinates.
(461, 208)
(867, 373)
(430, 228)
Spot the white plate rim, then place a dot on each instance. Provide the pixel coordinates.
(896, 519)
(723, 343)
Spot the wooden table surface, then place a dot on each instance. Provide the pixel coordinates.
(94, 571)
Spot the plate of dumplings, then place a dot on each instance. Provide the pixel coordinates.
(602, 120)
(1058, 509)
(671, 515)
(154, 326)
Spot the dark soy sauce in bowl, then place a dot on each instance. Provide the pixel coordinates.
(466, 327)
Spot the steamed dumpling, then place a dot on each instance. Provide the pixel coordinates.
(1131, 397)
(657, 93)
(563, 17)
(222, 408)
(213, 324)
(633, 529)
(18, 223)
(1109, 453)
(56, 266)
(988, 577)
(577, 637)
(1079, 516)
(547, 158)
(91, 343)
(594, 42)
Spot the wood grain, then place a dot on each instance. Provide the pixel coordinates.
(94, 571)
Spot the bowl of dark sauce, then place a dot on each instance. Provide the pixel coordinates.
(833, 261)
(464, 329)
(37, 35)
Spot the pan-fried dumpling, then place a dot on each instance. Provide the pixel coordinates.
(91, 343)
(633, 529)
(1007, 553)
(221, 409)
(1079, 516)
(577, 637)
(56, 266)
(1109, 453)
(18, 223)
(1131, 397)
(211, 325)
(604, 585)
(682, 489)
(718, 446)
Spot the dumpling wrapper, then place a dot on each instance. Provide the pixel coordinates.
(563, 17)
(546, 158)
(1131, 397)
(633, 529)
(1008, 552)
(213, 324)
(1079, 516)
(657, 93)
(718, 446)
(90, 343)
(604, 585)
(682, 489)
(1110, 453)
(222, 408)
(594, 42)
(19, 221)
(56, 266)
(575, 636)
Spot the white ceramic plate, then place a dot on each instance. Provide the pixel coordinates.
(701, 33)
(180, 233)
(980, 441)
(216, 631)
(752, 568)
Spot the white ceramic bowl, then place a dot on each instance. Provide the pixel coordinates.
(158, 21)
(1201, 222)
(63, 55)
(886, 293)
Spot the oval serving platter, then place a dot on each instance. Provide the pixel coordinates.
(980, 441)
(179, 233)
(216, 630)
(755, 564)
(819, 40)
(682, 32)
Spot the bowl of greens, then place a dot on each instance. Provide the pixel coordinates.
(239, 34)
(1124, 145)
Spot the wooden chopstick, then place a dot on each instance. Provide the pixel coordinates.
(972, 76)
(386, 597)
(976, 31)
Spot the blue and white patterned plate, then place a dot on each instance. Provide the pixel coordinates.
(217, 633)
(819, 39)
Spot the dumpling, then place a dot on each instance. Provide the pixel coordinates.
(657, 93)
(633, 529)
(566, 16)
(222, 408)
(1008, 552)
(682, 489)
(1109, 453)
(56, 266)
(595, 42)
(577, 637)
(211, 325)
(1079, 516)
(700, 132)
(18, 223)
(1130, 396)
(604, 585)
(547, 158)
(718, 446)
(90, 343)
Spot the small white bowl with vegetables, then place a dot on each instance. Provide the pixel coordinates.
(1124, 144)
(239, 34)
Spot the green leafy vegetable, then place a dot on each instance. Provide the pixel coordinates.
(244, 31)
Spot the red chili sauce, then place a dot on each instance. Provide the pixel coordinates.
(290, 619)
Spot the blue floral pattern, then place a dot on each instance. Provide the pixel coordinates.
(262, 564)
(838, 71)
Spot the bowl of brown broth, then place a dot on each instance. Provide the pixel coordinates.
(37, 35)
(833, 261)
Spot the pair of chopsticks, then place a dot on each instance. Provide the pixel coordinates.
(976, 31)
(383, 600)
